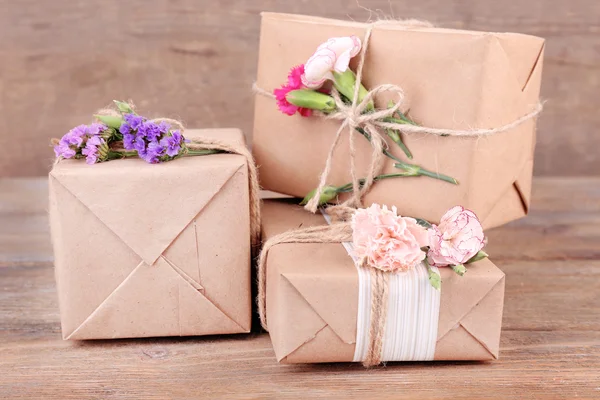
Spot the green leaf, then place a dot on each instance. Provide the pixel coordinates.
(423, 223)
(434, 278)
(124, 107)
(479, 256)
(459, 269)
(111, 121)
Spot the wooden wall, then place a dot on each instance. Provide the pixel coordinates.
(196, 59)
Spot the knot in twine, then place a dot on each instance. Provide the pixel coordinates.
(337, 232)
(353, 117)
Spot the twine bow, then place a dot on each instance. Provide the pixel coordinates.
(353, 116)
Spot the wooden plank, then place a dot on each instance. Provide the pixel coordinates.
(550, 349)
(196, 60)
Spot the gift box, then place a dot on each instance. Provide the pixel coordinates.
(153, 250)
(452, 79)
(314, 295)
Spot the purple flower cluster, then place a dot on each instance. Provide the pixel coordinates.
(83, 140)
(154, 142)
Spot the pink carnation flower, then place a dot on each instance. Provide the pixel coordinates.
(457, 238)
(294, 83)
(386, 240)
(333, 55)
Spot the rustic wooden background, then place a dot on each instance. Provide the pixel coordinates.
(196, 59)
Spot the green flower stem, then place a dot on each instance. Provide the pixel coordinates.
(203, 152)
(402, 120)
(395, 136)
(348, 187)
(418, 171)
(412, 169)
(119, 154)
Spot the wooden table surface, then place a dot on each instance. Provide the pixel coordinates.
(550, 345)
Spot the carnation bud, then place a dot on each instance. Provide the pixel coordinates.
(344, 83)
(307, 98)
(327, 194)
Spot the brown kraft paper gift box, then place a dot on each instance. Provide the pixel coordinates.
(153, 250)
(452, 79)
(312, 296)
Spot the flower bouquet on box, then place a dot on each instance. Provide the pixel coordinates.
(397, 112)
(122, 133)
(382, 298)
(327, 85)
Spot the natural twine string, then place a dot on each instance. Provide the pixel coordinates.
(253, 185)
(335, 233)
(215, 144)
(352, 117)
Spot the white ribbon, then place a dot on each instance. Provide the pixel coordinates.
(412, 314)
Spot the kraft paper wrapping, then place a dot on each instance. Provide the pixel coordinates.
(153, 250)
(312, 299)
(452, 79)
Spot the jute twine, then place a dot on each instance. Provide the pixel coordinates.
(337, 232)
(215, 144)
(352, 116)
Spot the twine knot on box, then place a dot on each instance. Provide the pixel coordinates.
(370, 122)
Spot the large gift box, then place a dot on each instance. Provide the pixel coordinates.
(313, 296)
(153, 250)
(452, 79)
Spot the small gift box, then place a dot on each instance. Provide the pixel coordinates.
(467, 103)
(318, 302)
(153, 250)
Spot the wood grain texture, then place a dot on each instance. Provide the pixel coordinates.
(196, 59)
(550, 346)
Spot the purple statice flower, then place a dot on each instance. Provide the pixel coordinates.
(128, 141)
(164, 127)
(140, 144)
(91, 149)
(154, 152)
(91, 154)
(150, 130)
(95, 128)
(75, 136)
(125, 129)
(81, 141)
(64, 150)
(133, 120)
(153, 141)
(172, 143)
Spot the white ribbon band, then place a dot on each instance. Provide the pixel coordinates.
(412, 314)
